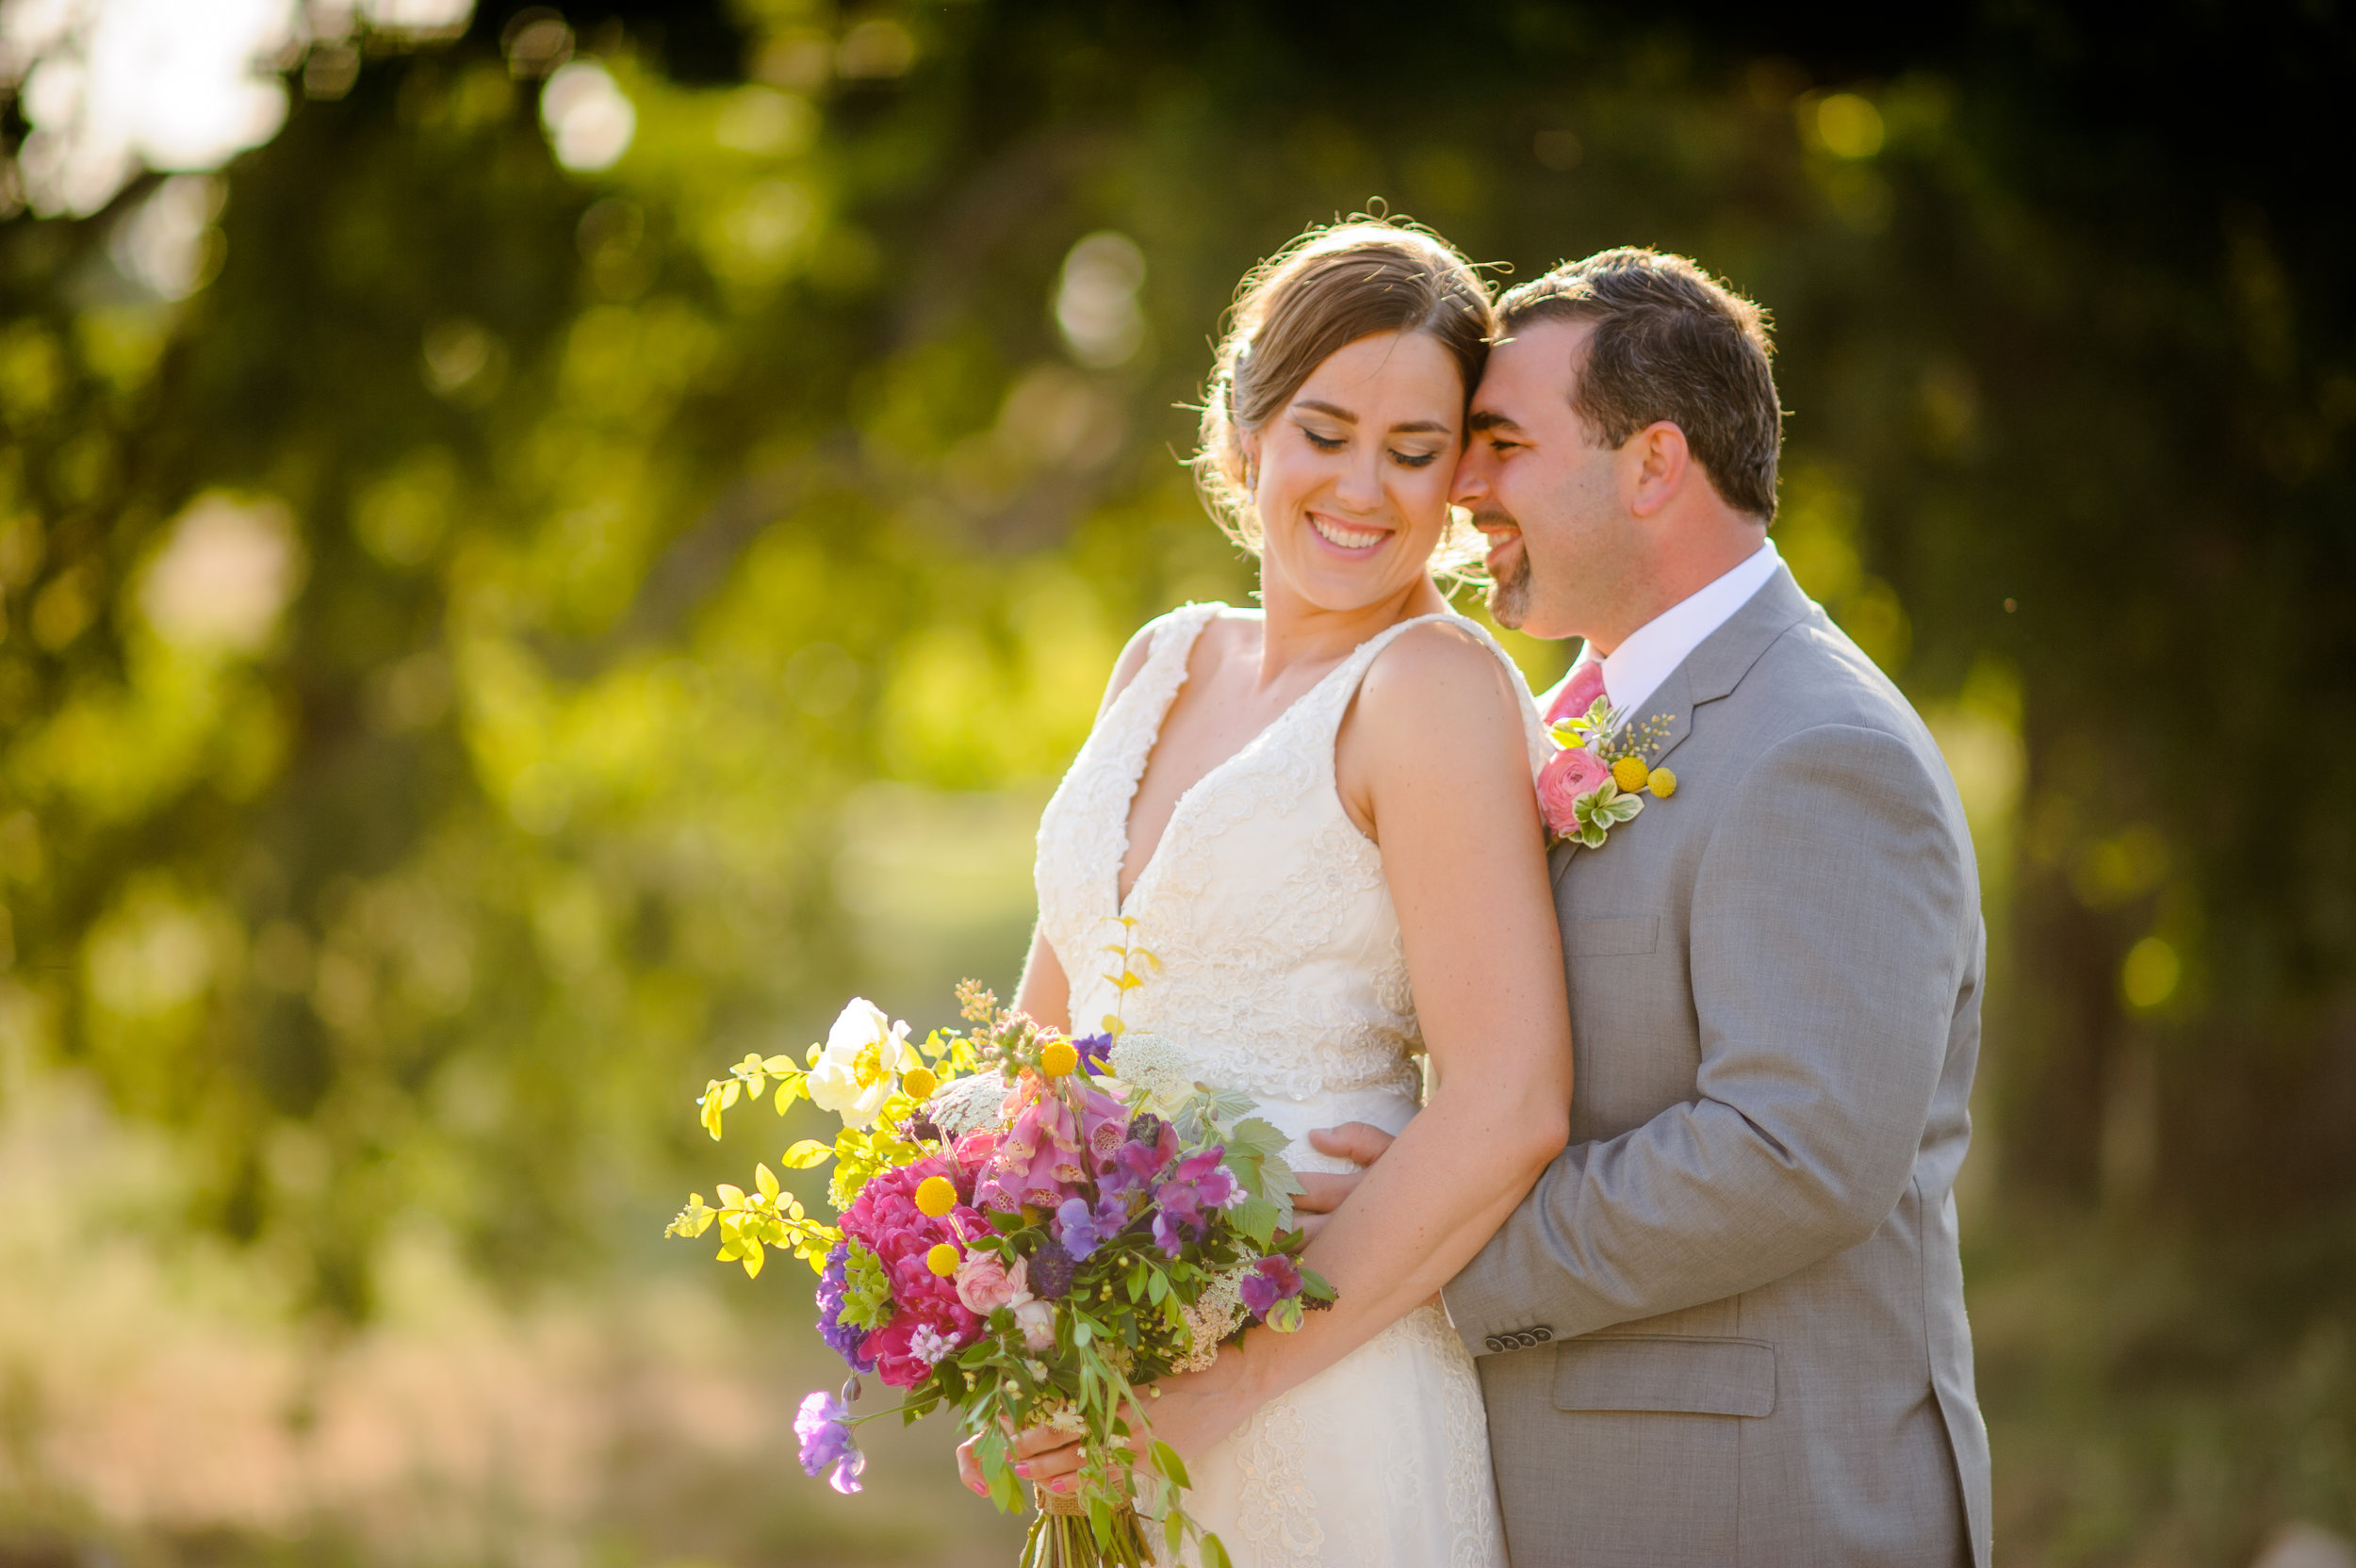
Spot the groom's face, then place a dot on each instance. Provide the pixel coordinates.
(1541, 487)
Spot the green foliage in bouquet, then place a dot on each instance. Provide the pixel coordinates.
(1026, 1238)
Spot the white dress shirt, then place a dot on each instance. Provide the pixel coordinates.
(1633, 671)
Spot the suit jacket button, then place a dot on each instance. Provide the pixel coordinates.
(1496, 1344)
(1543, 1333)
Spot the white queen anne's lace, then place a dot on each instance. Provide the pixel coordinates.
(1282, 975)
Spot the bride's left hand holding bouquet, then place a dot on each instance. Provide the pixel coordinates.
(1027, 1239)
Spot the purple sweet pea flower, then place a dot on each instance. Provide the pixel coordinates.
(1183, 1203)
(823, 1427)
(1272, 1280)
(1083, 1230)
(1135, 1166)
(844, 1340)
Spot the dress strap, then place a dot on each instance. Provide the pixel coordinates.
(1537, 741)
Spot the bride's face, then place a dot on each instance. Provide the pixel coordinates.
(1354, 473)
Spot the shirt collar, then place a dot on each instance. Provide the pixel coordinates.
(1633, 671)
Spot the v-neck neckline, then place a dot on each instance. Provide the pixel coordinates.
(1187, 795)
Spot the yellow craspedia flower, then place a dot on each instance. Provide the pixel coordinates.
(1059, 1058)
(942, 1258)
(1664, 783)
(1629, 774)
(919, 1082)
(936, 1196)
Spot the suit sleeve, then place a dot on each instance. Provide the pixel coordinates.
(1825, 959)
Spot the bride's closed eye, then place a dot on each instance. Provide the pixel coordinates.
(1336, 443)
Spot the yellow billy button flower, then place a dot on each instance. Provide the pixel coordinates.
(1664, 783)
(935, 1197)
(1059, 1058)
(1630, 773)
(919, 1082)
(942, 1258)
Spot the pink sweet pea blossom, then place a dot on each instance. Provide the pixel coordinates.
(1572, 771)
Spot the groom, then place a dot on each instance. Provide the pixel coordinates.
(1728, 1325)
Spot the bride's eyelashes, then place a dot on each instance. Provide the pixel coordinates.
(1336, 443)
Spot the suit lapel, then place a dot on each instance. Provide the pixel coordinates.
(1714, 670)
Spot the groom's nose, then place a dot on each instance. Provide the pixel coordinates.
(1470, 486)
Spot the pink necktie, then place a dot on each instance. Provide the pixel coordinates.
(1579, 693)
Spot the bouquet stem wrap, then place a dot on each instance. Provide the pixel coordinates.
(1063, 1537)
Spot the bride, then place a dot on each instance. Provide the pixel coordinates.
(1320, 815)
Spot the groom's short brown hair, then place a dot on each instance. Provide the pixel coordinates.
(1673, 343)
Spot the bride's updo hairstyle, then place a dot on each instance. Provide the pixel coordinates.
(1321, 293)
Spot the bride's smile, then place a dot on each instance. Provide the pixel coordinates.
(1350, 481)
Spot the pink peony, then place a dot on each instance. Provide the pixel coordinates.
(1579, 693)
(904, 1347)
(885, 1220)
(1572, 773)
(985, 1284)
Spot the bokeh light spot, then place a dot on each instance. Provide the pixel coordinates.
(2149, 976)
(1096, 301)
(589, 121)
(1850, 126)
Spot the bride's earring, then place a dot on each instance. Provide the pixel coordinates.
(1251, 478)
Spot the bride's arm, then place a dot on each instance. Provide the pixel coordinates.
(1433, 756)
(1045, 991)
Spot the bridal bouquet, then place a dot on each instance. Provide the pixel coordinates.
(1032, 1229)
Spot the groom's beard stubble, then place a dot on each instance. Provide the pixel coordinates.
(1509, 592)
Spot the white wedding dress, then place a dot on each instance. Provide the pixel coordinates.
(1284, 976)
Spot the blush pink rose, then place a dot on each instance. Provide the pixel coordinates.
(985, 1284)
(1037, 1319)
(1572, 773)
(1579, 693)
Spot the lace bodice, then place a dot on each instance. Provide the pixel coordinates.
(1283, 971)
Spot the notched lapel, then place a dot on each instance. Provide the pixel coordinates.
(1711, 671)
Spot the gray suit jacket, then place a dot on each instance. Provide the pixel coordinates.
(1728, 1325)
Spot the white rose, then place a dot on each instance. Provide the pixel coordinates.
(854, 1075)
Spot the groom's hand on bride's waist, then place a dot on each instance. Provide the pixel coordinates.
(1321, 1193)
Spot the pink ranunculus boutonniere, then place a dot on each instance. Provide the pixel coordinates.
(1572, 773)
(1599, 779)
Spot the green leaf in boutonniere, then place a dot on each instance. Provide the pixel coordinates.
(1600, 810)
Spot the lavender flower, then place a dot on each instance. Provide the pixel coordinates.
(1273, 1279)
(824, 1426)
(1083, 1230)
(843, 1339)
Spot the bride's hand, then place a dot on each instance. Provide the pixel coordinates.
(1189, 1411)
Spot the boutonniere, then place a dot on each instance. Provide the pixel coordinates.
(1599, 779)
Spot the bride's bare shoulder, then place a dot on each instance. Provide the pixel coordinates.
(1433, 670)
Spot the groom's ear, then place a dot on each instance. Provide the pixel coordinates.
(1654, 466)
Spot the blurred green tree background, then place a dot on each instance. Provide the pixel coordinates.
(593, 541)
